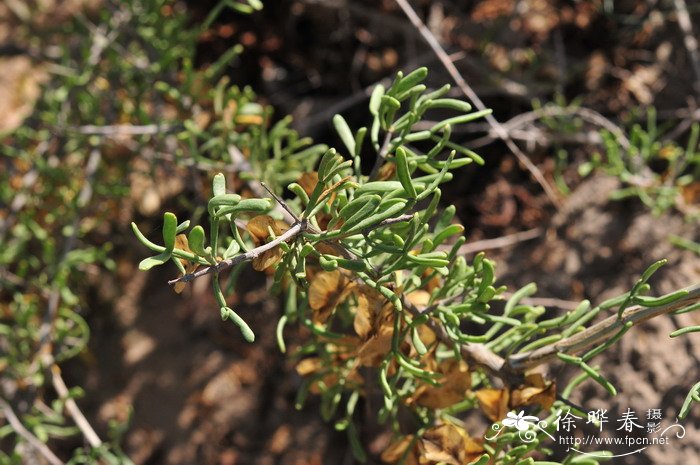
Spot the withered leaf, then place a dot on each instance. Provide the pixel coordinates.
(190, 267)
(326, 291)
(494, 402)
(453, 387)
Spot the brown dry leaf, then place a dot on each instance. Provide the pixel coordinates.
(419, 298)
(20, 87)
(535, 391)
(448, 443)
(308, 181)
(644, 82)
(190, 267)
(372, 352)
(494, 402)
(386, 172)
(691, 193)
(370, 307)
(363, 317)
(453, 387)
(259, 228)
(327, 290)
(267, 259)
(374, 323)
(250, 119)
(308, 366)
(398, 449)
(491, 10)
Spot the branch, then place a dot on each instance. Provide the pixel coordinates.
(33, 441)
(597, 333)
(296, 229)
(457, 77)
(291, 233)
(474, 353)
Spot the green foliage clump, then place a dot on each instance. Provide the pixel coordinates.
(370, 266)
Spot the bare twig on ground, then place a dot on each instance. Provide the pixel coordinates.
(72, 407)
(19, 428)
(500, 131)
(689, 39)
(498, 242)
(125, 129)
(586, 114)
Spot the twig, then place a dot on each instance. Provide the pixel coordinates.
(597, 333)
(242, 165)
(381, 156)
(72, 407)
(281, 202)
(546, 301)
(689, 40)
(296, 229)
(475, 353)
(33, 441)
(457, 77)
(125, 129)
(291, 233)
(588, 115)
(498, 242)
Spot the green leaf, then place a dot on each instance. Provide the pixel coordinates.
(390, 103)
(432, 259)
(365, 209)
(387, 209)
(148, 263)
(689, 329)
(227, 313)
(196, 240)
(417, 342)
(144, 240)
(415, 77)
(403, 172)
(327, 162)
(460, 119)
(376, 99)
(182, 226)
(343, 130)
(450, 103)
(169, 230)
(223, 200)
(219, 185)
(248, 206)
(327, 262)
(378, 187)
